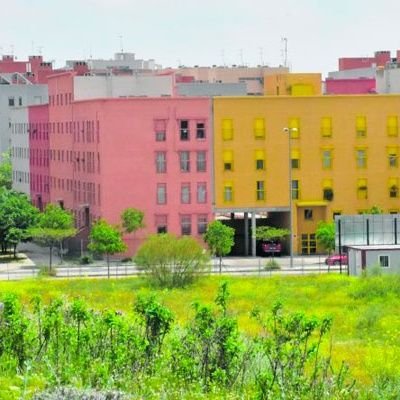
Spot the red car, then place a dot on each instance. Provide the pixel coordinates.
(336, 259)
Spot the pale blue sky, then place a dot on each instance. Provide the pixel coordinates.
(203, 32)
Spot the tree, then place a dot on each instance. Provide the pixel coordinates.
(17, 215)
(6, 171)
(374, 210)
(55, 225)
(106, 239)
(132, 219)
(271, 233)
(171, 261)
(325, 235)
(220, 239)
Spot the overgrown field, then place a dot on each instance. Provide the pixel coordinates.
(365, 329)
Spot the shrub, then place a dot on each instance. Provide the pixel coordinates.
(290, 365)
(170, 261)
(272, 265)
(85, 260)
(78, 394)
(45, 270)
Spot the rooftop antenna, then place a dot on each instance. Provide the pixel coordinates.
(261, 56)
(121, 44)
(241, 57)
(32, 47)
(285, 52)
(39, 49)
(12, 49)
(223, 57)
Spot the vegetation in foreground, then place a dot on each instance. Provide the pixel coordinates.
(364, 334)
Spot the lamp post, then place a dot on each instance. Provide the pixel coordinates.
(289, 132)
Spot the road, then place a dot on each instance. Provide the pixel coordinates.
(37, 257)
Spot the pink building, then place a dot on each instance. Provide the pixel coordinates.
(150, 153)
(379, 60)
(350, 86)
(35, 69)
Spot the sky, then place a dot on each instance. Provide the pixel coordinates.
(206, 32)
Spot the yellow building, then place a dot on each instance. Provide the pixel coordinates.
(293, 84)
(343, 152)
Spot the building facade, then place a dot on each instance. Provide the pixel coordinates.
(343, 156)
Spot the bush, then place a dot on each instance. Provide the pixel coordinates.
(272, 265)
(85, 260)
(45, 270)
(77, 394)
(170, 261)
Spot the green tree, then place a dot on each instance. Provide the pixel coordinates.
(220, 239)
(106, 239)
(325, 235)
(17, 215)
(55, 224)
(171, 261)
(132, 220)
(374, 210)
(271, 233)
(6, 171)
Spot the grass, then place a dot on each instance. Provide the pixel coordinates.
(365, 310)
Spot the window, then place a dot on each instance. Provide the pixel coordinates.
(184, 129)
(184, 160)
(228, 160)
(326, 159)
(295, 158)
(186, 225)
(201, 224)
(161, 193)
(294, 128)
(201, 161)
(185, 193)
(384, 261)
(326, 126)
(11, 102)
(393, 156)
(361, 158)
(161, 162)
(260, 160)
(393, 185)
(160, 129)
(20, 101)
(295, 190)
(228, 192)
(308, 214)
(200, 130)
(227, 129)
(361, 126)
(362, 189)
(392, 126)
(201, 192)
(259, 128)
(161, 224)
(260, 190)
(327, 188)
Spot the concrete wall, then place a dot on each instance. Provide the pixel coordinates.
(353, 73)
(92, 87)
(350, 86)
(388, 80)
(211, 89)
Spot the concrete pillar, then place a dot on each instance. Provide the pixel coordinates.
(253, 234)
(246, 233)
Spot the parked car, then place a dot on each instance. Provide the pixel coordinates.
(336, 259)
(269, 247)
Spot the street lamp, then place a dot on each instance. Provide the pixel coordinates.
(289, 132)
